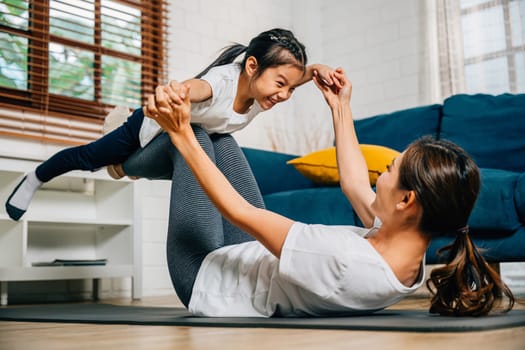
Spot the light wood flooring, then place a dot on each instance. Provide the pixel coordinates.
(57, 336)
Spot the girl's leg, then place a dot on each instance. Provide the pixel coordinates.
(112, 148)
(233, 164)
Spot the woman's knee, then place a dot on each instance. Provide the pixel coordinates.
(153, 161)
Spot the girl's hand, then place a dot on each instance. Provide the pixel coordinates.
(339, 92)
(327, 75)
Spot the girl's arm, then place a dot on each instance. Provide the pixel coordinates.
(353, 171)
(267, 227)
(199, 89)
(325, 73)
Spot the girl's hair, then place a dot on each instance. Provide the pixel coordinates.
(271, 48)
(446, 182)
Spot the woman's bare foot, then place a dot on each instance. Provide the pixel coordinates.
(116, 171)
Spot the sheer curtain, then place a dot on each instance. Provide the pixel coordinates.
(481, 46)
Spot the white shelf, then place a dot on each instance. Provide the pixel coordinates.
(45, 273)
(79, 215)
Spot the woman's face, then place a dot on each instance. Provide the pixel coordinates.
(388, 193)
(275, 85)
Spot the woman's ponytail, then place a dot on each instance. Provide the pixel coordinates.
(228, 55)
(466, 285)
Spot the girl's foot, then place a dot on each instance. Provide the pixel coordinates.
(19, 200)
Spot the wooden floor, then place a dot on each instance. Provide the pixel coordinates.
(57, 336)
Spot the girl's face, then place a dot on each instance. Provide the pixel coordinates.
(275, 85)
(388, 193)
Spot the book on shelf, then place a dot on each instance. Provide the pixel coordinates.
(72, 262)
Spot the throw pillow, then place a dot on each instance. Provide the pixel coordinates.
(321, 166)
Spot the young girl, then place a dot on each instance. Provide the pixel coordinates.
(226, 96)
(294, 269)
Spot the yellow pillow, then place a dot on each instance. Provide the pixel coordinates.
(321, 166)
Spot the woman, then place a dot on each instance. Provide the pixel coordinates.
(294, 269)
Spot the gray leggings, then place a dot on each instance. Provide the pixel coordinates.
(196, 227)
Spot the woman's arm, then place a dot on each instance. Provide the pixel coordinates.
(353, 171)
(267, 227)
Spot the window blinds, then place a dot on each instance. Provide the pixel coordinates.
(65, 63)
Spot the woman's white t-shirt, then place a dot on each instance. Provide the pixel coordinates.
(323, 270)
(216, 114)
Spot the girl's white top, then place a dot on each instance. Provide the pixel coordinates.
(323, 270)
(216, 114)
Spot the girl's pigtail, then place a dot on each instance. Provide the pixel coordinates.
(228, 55)
(466, 285)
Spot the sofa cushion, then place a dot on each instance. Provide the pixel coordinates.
(519, 197)
(397, 130)
(490, 128)
(321, 166)
(323, 205)
(495, 209)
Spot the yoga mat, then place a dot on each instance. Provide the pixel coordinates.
(386, 320)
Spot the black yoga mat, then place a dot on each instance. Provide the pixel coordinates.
(387, 320)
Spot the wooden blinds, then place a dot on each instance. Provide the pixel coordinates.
(65, 63)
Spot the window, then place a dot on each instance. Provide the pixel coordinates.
(482, 46)
(65, 63)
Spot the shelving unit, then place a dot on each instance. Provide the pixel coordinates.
(79, 215)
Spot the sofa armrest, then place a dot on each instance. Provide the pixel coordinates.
(272, 173)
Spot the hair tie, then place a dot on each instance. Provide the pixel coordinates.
(464, 230)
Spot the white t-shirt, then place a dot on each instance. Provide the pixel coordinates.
(216, 114)
(323, 270)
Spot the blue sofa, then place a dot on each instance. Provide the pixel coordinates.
(490, 128)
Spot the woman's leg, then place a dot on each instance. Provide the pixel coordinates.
(195, 228)
(112, 148)
(233, 164)
(153, 161)
(195, 225)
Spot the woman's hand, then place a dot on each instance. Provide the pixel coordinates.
(170, 107)
(339, 92)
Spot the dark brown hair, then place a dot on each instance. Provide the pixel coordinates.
(271, 48)
(446, 182)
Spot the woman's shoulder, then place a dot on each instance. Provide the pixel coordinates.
(335, 240)
(336, 230)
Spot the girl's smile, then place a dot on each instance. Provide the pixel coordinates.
(275, 85)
